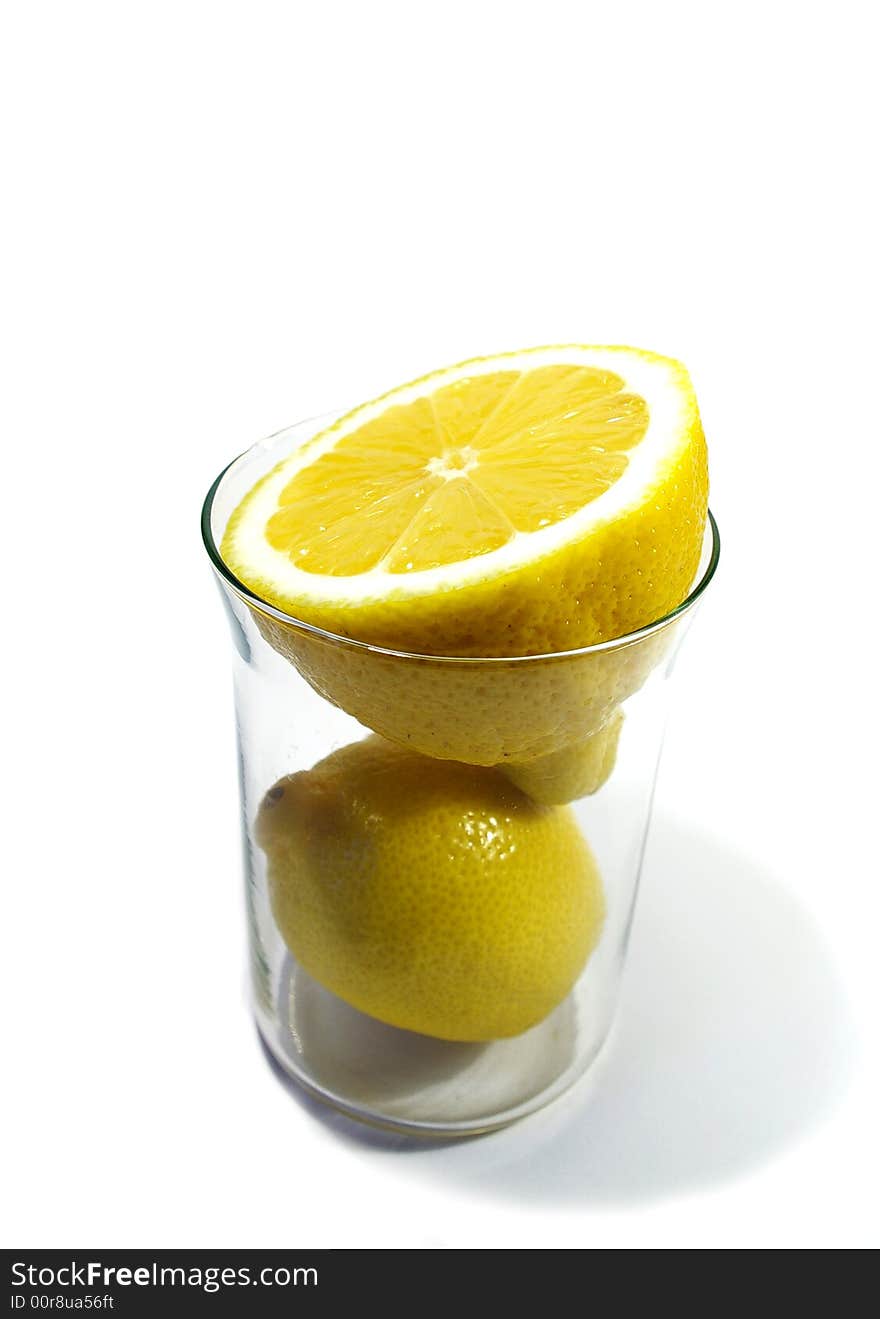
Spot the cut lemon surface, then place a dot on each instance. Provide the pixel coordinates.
(522, 504)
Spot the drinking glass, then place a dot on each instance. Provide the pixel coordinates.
(302, 693)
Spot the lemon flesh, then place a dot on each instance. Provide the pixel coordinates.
(434, 896)
(524, 504)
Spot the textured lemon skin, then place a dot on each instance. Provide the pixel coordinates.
(575, 771)
(434, 896)
(479, 713)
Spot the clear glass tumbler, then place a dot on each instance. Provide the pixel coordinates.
(571, 738)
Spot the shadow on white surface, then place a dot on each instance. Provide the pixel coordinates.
(733, 1040)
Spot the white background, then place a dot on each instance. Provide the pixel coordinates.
(221, 217)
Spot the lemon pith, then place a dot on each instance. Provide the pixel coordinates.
(432, 895)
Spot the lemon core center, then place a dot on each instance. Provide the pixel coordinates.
(454, 463)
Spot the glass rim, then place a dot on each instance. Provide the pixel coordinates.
(253, 600)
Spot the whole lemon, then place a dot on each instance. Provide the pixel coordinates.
(432, 895)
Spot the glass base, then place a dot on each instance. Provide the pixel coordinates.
(412, 1083)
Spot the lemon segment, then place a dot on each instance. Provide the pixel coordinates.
(434, 896)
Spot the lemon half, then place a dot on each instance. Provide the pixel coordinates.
(527, 503)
